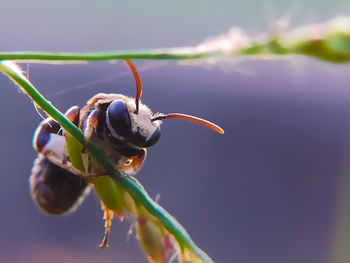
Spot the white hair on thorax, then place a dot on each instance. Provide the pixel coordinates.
(141, 122)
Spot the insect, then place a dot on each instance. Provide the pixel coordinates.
(122, 126)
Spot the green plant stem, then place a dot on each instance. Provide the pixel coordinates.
(156, 54)
(130, 184)
(333, 47)
(137, 191)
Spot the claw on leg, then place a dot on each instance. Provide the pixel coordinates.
(108, 216)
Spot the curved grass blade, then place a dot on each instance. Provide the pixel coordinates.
(131, 185)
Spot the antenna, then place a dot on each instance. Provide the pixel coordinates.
(138, 83)
(190, 118)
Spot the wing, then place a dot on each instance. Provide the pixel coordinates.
(54, 189)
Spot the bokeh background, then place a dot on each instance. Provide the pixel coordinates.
(271, 189)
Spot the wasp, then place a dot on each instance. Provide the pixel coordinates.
(123, 127)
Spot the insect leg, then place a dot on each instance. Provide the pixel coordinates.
(91, 124)
(49, 133)
(73, 114)
(108, 216)
(49, 141)
(134, 165)
(42, 134)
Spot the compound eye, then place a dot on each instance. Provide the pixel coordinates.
(153, 139)
(118, 118)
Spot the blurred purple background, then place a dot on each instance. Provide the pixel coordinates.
(266, 191)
